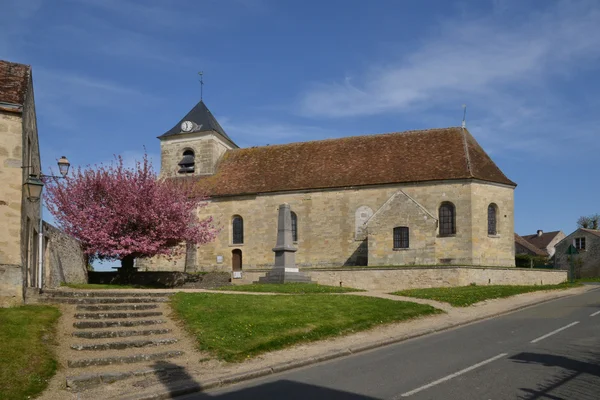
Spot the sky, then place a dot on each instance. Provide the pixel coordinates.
(112, 75)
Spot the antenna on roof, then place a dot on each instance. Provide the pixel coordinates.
(201, 73)
(464, 121)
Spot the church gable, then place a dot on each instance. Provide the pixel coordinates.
(414, 156)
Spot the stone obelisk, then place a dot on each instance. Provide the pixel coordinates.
(285, 269)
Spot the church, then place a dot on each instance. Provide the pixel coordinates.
(423, 197)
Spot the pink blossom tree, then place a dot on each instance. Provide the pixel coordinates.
(128, 213)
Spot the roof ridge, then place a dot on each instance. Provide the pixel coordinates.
(366, 135)
(466, 146)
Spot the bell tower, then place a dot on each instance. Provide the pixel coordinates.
(194, 145)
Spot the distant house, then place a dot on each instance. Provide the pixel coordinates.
(545, 241)
(587, 261)
(522, 246)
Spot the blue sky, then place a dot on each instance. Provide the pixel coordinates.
(111, 75)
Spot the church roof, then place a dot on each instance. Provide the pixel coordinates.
(202, 120)
(413, 156)
(14, 80)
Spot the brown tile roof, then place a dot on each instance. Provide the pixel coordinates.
(524, 243)
(592, 231)
(541, 241)
(413, 156)
(14, 80)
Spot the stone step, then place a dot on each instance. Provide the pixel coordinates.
(117, 360)
(117, 307)
(112, 324)
(124, 345)
(118, 334)
(116, 315)
(88, 381)
(101, 300)
(104, 293)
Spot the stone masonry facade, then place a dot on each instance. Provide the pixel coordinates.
(19, 217)
(588, 260)
(327, 226)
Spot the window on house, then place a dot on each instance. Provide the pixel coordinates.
(447, 219)
(237, 225)
(492, 227)
(401, 237)
(580, 243)
(294, 227)
(187, 163)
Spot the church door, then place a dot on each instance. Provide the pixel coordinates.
(236, 260)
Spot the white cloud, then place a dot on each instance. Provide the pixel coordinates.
(469, 59)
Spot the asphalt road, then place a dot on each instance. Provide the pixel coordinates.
(550, 351)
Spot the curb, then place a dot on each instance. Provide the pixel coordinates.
(188, 388)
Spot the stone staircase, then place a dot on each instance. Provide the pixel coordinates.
(114, 336)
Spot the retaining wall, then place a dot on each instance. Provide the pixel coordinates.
(391, 279)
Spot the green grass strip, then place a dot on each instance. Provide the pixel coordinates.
(295, 288)
(464, 296)
(235, 327)
(26, 361)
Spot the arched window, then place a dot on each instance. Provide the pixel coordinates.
(401, 237)
(237, 228)
(187, 163)
(447, 219)
(492, 225)
(294, 227)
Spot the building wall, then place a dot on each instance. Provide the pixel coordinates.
(208, 149)
(328, 234)
(496, 249)
(590, 258)
(64, 258)
(19, 217)
(551, 248)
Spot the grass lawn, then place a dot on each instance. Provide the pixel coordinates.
(26, 362)
(296, 288)
(590, 279)
(235, 327)
(464, 296)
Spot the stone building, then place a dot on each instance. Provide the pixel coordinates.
(587, 259)
(19, 157)
(413, 198)
(21, 261)
(545, 240)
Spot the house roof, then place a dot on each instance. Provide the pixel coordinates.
(413, 156)
(524, 243)
(14, 81)
(592, 231)
(202, 121)
(541, 241)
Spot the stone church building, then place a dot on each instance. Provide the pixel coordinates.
(424, 197)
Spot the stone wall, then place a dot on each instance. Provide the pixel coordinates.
(588, 260)
(327, 232)
(392, 279)
(207, 148)
(19, 217)
(64, 258)
(11, 175)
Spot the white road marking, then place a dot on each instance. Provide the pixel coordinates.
(594, 314)
(553, 332)
(454, 375)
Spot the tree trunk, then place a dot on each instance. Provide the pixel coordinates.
(127, 270)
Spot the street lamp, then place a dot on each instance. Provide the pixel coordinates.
(63, 166)
(34, 185)
(33, 188)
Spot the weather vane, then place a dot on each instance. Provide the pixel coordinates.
(201, 73)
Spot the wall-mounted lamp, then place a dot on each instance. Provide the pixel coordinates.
(34, 185)
(33, 188)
